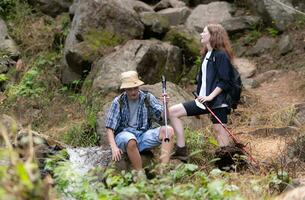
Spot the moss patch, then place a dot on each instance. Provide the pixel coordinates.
(188, 44)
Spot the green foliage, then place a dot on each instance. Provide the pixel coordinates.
(19, 176)
(82, 134)
(201, 145)
(102, 38)
(28, 86)
(184, 181)
(272, 32)
(3, 78)
(252, 36)
(6, 6)
(187, 43)
(300, 21)
(278, 181)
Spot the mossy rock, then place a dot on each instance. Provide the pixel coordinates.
(187, 42)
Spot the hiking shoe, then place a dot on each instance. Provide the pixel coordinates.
(180, 154)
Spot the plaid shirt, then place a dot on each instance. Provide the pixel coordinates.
(117, 118)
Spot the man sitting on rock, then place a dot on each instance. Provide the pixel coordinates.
(128, 123)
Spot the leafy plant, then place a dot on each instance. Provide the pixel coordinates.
(3, 78)
(19, 176)
(272, 32)
(6, 6)
(252, 36)
(81, 135)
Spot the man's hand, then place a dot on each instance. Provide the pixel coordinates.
(116, 153)
(167, 98)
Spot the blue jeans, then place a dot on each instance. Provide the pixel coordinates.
(145, 139)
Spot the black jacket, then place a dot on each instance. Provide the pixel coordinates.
(219, 73)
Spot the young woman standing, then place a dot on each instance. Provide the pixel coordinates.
(212, 84)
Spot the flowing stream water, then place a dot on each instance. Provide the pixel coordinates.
(85, 158)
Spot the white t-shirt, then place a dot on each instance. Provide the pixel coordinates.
(203, 89)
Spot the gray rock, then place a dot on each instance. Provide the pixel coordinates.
(250, 83)
(96, 28)
(52, 7)
(155, 24)
(175, 16)
(299, 118)
(285, 45)
(245, 67)
(215, 12)
(273, 12)
(240, 23)
(266, 75)
(262, 45)
(149, 57)
(7, 44)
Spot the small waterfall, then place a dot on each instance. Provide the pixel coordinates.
(85, 158)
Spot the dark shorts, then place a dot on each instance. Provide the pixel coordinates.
(192, 110)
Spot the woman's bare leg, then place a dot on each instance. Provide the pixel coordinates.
(175, 112)
(221, 135)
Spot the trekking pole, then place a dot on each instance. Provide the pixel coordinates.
(235, 140)
(166, 139)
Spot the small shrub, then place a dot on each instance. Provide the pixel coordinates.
(81, 135)
(3, 78)
(6, 6)
(283, 117)
(272, 32)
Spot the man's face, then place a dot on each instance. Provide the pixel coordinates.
(132, 93)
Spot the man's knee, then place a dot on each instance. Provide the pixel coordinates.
(132, 144)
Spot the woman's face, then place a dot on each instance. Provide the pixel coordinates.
(205, 36)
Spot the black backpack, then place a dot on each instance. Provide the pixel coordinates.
(234, 90)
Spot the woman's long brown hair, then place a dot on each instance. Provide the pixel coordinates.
(219, 40)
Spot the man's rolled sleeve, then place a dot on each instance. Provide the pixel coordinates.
(113, 116)
(157, 107)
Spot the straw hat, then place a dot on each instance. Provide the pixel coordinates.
(130, 79)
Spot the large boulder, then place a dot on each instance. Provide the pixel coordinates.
(97, 27)
(156, 25)
(188, 40)
(274, 13)
(240, 23)
(176, 94)
(52, 7)
(175, 16)
(150, 58)
(7, 44)
(215, 12)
